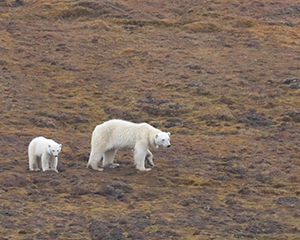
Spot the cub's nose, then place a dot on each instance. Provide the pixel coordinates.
(169, 146)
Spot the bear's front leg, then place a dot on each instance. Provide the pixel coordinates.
(53, 163)
(108, 159)
(149, 158)
(139, 158)
(45, 162)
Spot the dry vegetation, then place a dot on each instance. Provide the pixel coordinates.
(222, 76)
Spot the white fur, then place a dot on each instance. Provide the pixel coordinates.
(115, 134)
(43, 153)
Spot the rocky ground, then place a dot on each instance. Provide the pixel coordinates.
(222, 76)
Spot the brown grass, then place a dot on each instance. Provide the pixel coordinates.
(220, 76)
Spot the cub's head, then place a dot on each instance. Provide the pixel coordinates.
(162, 139)
(54, 149)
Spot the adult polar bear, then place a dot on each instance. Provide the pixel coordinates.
(116, 134)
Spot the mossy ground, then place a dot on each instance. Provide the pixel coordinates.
(222, 76)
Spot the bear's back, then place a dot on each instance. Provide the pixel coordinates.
(39, 144)
(43, 142)
(39, 140)
(119, 123)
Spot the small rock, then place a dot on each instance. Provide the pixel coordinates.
(238, 170)
(226, 100)
(202, 91)
(253, 118)
(290, 81)
(294, 83)
(243, 218)
(255, 229)
(287, 200)
(80, 189)
(224, 114)
(231, 201)
(246, 191)
(264, 178)
(104, 230)
(45, 122)
(193, 66)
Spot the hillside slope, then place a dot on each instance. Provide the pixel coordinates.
(222, 76)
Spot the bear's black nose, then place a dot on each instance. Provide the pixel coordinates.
(169, 146)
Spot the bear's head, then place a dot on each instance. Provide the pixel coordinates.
(54, 149)
(162, 139)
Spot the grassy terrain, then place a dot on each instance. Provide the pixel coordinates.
(222, 76)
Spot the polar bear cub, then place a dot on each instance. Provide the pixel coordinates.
(43, 153)
(116, 134)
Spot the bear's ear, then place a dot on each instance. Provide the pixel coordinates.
(168, 133)
(156, 136)
(60, 145)
(49, 146)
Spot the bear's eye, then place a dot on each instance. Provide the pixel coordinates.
(163, 140)
(53, 150)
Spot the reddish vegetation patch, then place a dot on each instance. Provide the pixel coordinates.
(222, 77)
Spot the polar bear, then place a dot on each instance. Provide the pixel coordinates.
(43, 153)
(116, 134)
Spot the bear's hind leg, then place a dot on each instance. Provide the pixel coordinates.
(95, 158)
(33, 163)
(33, 159)
(109, 158)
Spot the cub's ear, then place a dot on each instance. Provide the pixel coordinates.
(168, 133)
(60, 145)
(156, 136)
(49, 146)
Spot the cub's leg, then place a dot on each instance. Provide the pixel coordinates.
(45, 162)
(149, 158)
(95, 157)
(139, 158)
(109, 158)
(53, 163)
